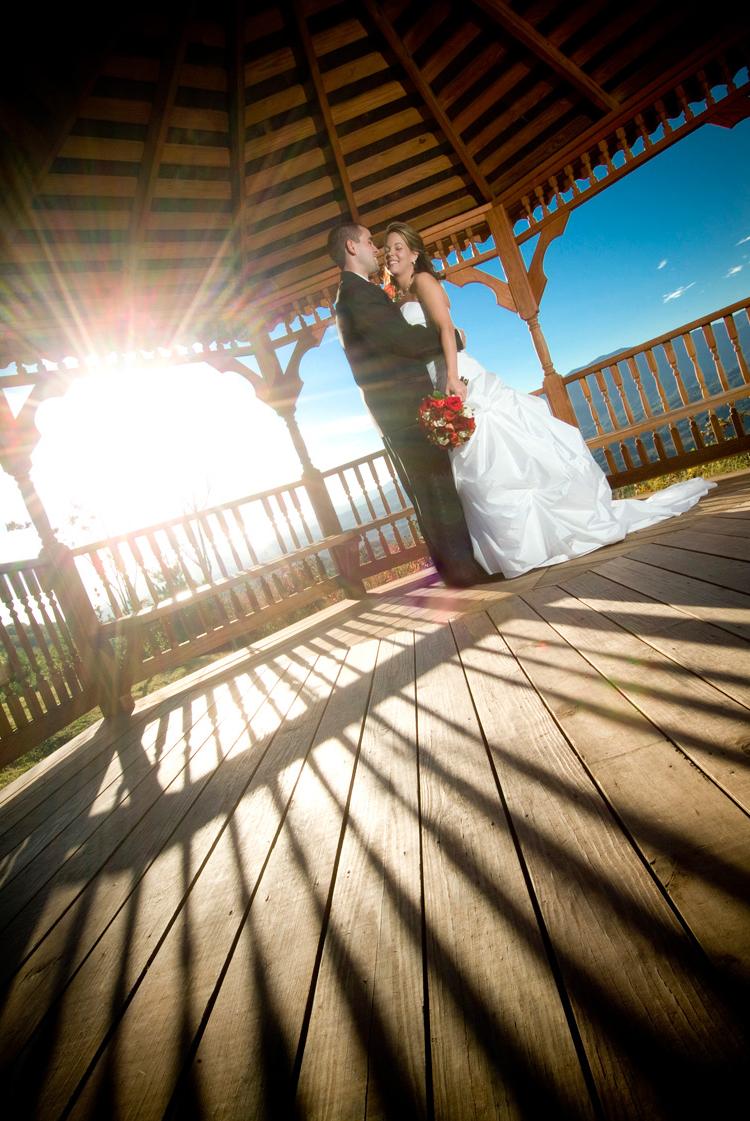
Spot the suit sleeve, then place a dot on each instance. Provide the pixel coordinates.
(370, 316)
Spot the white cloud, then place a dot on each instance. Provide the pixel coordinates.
(734, 270)
(743, 240)
(677, 292)
(662, 264)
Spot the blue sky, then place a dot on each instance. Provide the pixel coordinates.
(667, 244)
(646, 255)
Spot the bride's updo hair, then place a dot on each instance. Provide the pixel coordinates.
(423, 262)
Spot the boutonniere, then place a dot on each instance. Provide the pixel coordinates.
(391, 292)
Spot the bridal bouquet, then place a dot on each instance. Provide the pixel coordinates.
(446, 421)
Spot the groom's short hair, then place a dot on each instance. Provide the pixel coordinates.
(338, 237)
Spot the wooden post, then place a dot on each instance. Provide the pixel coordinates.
(20, 469)
(347, 556)
(528, 308)
(98, 661)
(280, 390)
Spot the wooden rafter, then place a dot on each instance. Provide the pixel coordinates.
(325, 108)
(169, 74)
(436, 110)
(20, 193)
(547, 52)
(625, 116)
(236, 88)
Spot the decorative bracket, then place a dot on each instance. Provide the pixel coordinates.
(473, 275)
(537, 277)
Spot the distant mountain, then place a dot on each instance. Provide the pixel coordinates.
(596, 361)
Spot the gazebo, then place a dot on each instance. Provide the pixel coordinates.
(170, 173)
(170, 178)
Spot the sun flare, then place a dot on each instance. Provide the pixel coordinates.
(126, 448)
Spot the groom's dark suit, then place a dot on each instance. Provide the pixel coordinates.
(388, 359)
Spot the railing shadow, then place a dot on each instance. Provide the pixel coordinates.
(41, 1043)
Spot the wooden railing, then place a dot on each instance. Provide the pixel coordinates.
(43, 685)
(368, 494)
(189, 585)
(674, 401)
(80, 628)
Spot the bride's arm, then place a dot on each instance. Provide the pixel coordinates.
(437, 309)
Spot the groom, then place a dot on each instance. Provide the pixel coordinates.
(388, 359)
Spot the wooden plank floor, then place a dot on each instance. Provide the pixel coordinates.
(438, 854)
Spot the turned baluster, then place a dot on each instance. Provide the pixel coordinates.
(627, 458)
(586, 161)
(659, 445)
(640, 447)
(54, 623)
(169, 588)
(736, 420)
(706, 88)
(605, 397)
(206, 529)
(614, 371)
(593, 413)
(624, 144)
(541, 202)
(708, 335)
(663, 117)
(697, 370)
(14, 673)
(696, 433)
(716, 427)
(654, 371)
(635, 373)
(643, 131)
(572, 184)
(143, 568)
(98, 565)
(672, 360)
(606, 158)
(369, 551)
(124, 576)
(610, 460)
(684, 103)
(731, 328)
(20, 626)
(276, 577)
(238, 522)
(556, 193)
(49, 681)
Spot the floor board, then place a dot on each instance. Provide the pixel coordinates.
(434, 854)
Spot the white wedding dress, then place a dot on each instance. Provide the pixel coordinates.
(531, 491)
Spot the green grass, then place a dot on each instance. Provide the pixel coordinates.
(704, 470)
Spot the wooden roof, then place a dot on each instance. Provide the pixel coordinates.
(176, 177)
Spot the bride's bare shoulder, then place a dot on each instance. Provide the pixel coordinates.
(425, 284)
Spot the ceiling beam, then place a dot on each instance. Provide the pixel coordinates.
(436, 110)
(235, 33)
(158, 125)
(325, 108)
(547, 53)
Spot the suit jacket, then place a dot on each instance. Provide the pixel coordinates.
(387, 355)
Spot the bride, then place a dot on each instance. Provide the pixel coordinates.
(531, 491)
